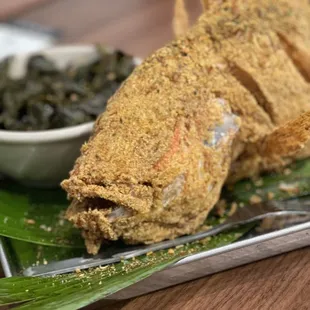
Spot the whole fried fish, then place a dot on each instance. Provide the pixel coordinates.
(226, 100)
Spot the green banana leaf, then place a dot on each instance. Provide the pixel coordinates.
(296, 176)
(26, 254)
(75, 290)
(36, 216)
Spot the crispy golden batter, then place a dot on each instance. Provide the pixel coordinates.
(159, 155)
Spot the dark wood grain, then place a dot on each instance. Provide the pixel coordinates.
(136, 26)
(281, 282)
(142, 32)
(139, 27)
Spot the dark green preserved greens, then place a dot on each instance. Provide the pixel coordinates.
(48, 98)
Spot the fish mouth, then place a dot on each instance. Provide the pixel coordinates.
(104, 212)
(138, 197)
(107, 208)
(99, 219)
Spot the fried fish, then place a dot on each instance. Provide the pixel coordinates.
(228, 99)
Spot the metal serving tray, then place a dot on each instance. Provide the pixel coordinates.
(247, 250)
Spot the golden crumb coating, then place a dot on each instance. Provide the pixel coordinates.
(199, 112)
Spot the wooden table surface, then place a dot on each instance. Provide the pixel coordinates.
(139, 27)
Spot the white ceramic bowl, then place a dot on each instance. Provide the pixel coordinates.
(41, 158)
(44, 158)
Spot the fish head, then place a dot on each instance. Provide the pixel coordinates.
(135, 168)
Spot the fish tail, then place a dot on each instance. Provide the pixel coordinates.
(205, 4)
(180, 20)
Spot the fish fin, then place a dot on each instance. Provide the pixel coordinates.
(287, 139)
(180, 19)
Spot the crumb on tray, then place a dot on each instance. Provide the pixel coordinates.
(292, 188)
(233, 208)
(30, 221)
(287, 171)
(171, 251)
(270, 195)
(255, 199)
(259, 182)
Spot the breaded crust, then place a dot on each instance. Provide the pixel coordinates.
(159, 156)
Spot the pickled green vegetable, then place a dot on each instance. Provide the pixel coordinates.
(48, 98)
